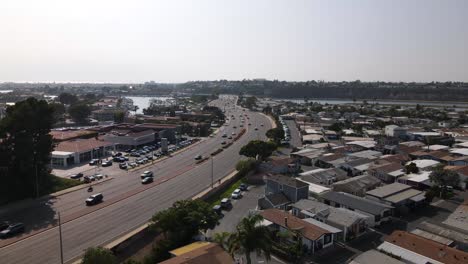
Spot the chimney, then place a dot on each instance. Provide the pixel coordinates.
(286, 221)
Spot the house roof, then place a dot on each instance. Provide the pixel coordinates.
(387, 168)
(308, 230)
(388, 190)
(322, 175)
(286, 180)
(357, 183)
(81, 145)
(363, 143)
(62, 135)
(423, 163)
(209, 253)
(277, 199)
(355, 202)
(369, 154)
(373, 256)
(428, 248)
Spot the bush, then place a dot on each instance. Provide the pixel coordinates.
(98, 255)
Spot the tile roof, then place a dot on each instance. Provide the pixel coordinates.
(308, 230)
(428, 248)
(81, 145)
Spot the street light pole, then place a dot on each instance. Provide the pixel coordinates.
(212, 176)
(60, 235)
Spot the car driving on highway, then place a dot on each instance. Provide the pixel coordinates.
(146, 174)
(12, 230)
(147, 180)
(94, 199)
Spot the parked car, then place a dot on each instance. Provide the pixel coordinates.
(98, 176)
(226, 203)
(133, 164)
(118, 154)
(76, 176)
(217, 209)
(94, 199)
(223, 143)
(94, 162)
(146, 174)
(147, 180)
(12, 230)
(236, 194)
(243, 187)
(256, 128)
(224, 135)
(106, 163)
(123, 166)
(198, 157)
(88, 179)
(4, 225)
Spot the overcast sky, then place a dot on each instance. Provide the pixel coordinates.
(177, 41)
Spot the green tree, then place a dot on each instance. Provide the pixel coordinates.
(250, 102)
(79, 113)
(25, 147)
(119, 116)
(258, 147)
(59, 111)
(276, 134)
(184, 220)
(250, 237)
(337, 127)
(411, 168)
(98, 255)
(67, 98)
(444, 178)
(244, 166)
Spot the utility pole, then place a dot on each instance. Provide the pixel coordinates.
(212, 176)
(60, 235)
(37, 180)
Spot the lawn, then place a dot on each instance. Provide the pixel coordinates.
(59, 183)
(226, 194)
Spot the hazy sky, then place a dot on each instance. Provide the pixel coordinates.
(176, 41)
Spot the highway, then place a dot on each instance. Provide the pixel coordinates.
(127, 203)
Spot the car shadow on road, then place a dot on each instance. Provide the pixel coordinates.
(34, 214)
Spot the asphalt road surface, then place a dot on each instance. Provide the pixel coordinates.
(296, 138)
(127, 203)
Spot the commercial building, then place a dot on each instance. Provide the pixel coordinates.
(78, 151)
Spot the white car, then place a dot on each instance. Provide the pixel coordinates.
(236, 194)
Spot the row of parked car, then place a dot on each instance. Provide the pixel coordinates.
(225, 203)
(10, 229)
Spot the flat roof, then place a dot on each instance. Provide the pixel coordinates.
(423, 163)
(432, 236)
(399, 197)
(388, 190)
(373, 256)
(189, 247)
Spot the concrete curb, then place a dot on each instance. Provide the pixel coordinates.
(272, 121)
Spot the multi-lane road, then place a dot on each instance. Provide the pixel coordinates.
(127, 203)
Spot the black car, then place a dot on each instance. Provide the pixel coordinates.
(118, 154)
(12, 230)
(147, 180)
(4, 225)
(94, 162)
(106, 163)
(94, 199)
(76, 176)
(243, 187)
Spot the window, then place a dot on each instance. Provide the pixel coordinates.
(377, 218)
(327, 239)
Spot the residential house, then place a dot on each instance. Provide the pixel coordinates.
(314, 238)
(398, 195)
(424, 164)
(419, 250)
(418, 180)
(307, 156)
(395, 131)
(278, 187)
(373, 257)
(199, 253)
(386, 171)
(325, 177)
(281, 165)
(351, 223)
(358, 185)
(357, 166)
(379, 212)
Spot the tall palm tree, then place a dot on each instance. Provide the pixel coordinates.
(250, 236)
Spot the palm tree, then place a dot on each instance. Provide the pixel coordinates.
(250, 236)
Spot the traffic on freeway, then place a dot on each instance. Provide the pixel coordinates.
(126, 203)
